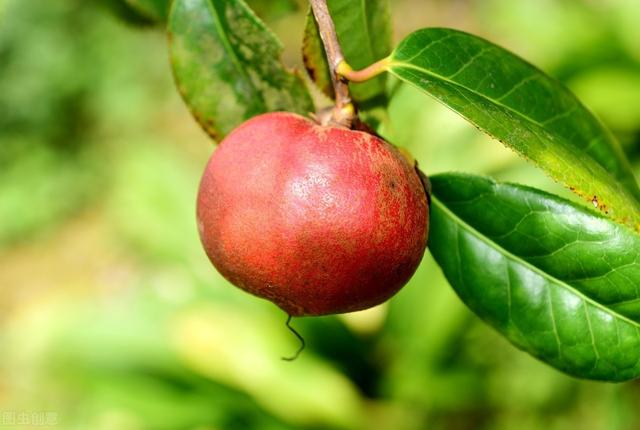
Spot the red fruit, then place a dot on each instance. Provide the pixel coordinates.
(317, 219)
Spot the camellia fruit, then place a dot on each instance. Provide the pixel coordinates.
(317, 219)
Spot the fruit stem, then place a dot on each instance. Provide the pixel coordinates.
(344, 112)
(300, 338)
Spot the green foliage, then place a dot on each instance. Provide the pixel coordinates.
(556, 279)
(612, 92)
(154, 10)
(364, 32)
(126, 13)
(526, 110)
(47, 165)
(227, 67)
(270, 10)
(115, 319)
(219, 51)
(574, 301)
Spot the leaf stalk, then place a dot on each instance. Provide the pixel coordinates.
(344, 70)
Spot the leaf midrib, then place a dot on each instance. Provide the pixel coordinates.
(526, 264)
(617, 181)
(475, 92)
(408, 65)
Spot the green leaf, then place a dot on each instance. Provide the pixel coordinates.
(124, 11)
(154, 10)
(364, 32)
(555, 278)
(315, 60)
(227, 67)
(270, 10)
(525, 109)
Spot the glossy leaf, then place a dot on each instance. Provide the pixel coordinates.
(227, 67)
(558, 280)
(526, 110)
(364, 32)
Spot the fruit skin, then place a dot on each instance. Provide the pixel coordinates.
(317, 219)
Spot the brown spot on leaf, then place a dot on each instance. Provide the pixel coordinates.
(208, 125)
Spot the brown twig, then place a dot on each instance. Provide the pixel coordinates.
(344, 112)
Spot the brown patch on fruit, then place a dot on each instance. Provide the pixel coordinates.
(392, 171)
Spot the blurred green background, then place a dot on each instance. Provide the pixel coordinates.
(111, 316)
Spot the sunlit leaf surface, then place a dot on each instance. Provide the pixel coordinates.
(526, 110)
(558, 280)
